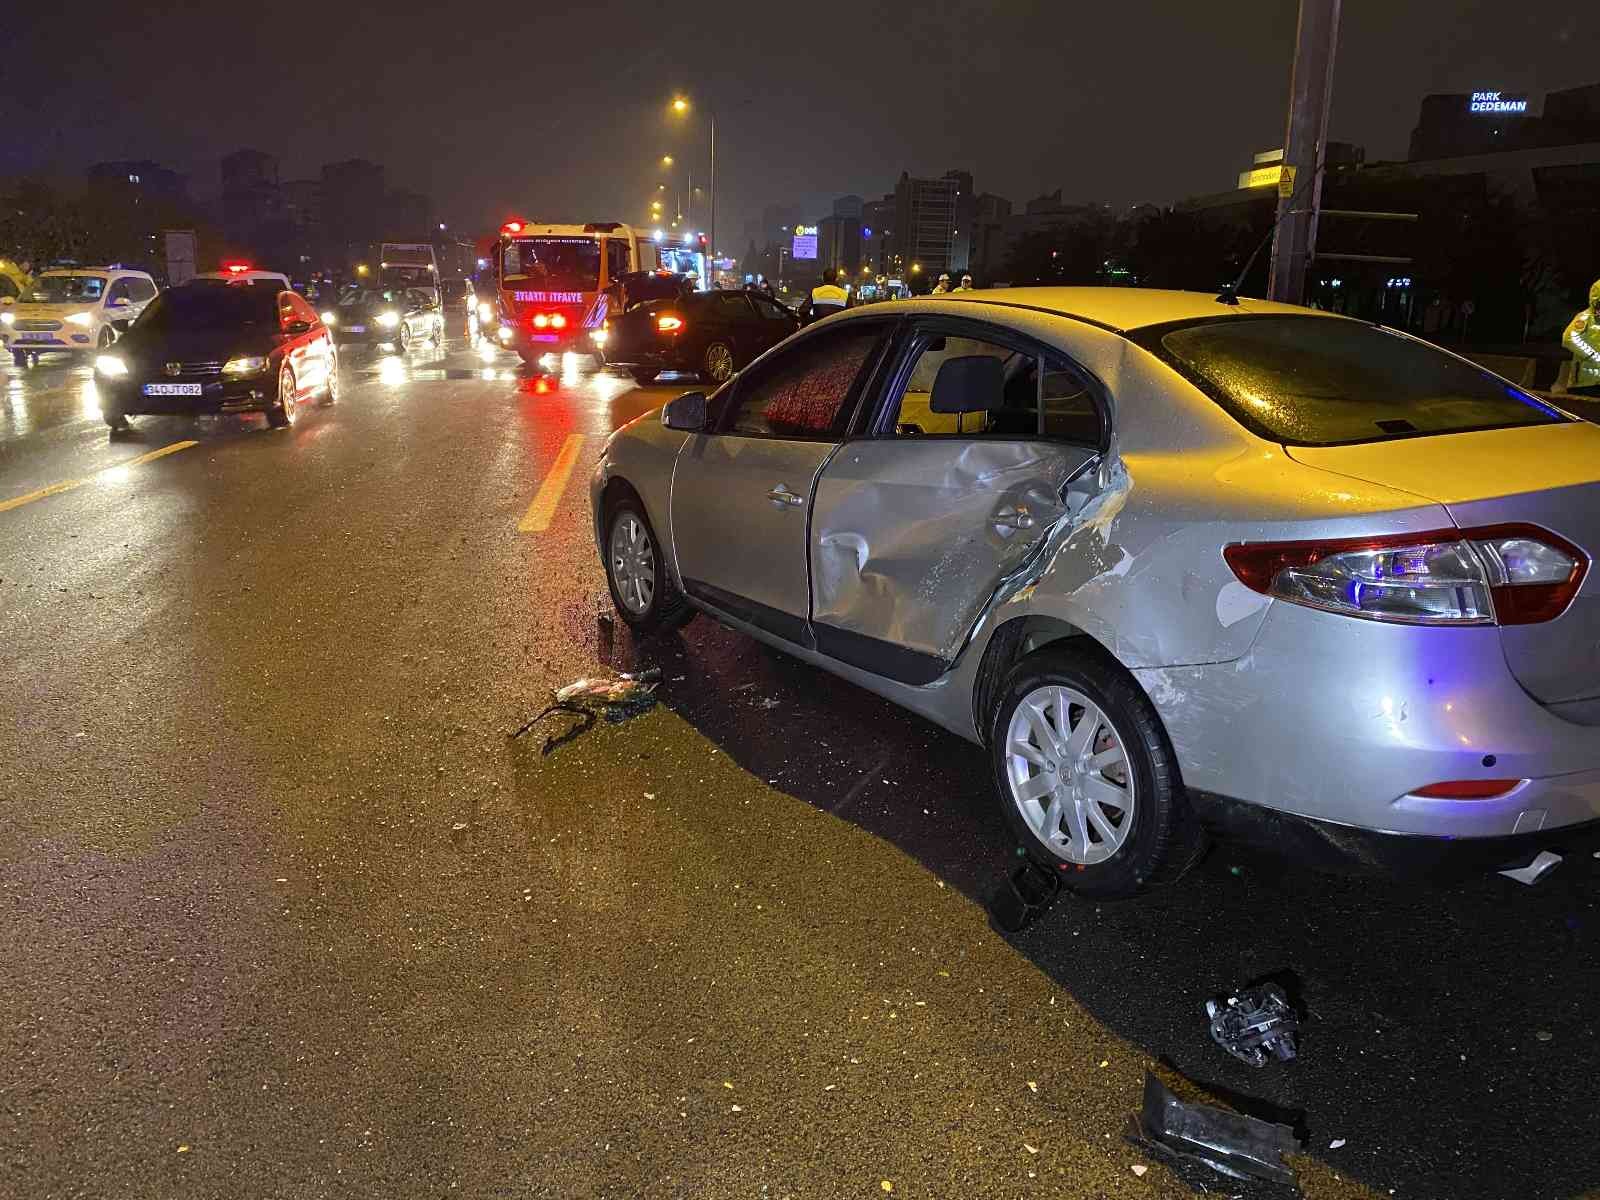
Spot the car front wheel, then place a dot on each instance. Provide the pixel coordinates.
(717, 364)
(636, 571)
(1086, 778)
(282, 414)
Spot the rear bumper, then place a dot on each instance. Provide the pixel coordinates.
(1343, 721)
(1348, 849)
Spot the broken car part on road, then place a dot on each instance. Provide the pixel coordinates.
(1254, 1024)
(1232, 1143)
(618, 699)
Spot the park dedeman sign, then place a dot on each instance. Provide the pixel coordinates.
(1497, 102)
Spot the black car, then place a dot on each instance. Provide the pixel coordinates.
(216, 348)
(711, 333)
(394, 316)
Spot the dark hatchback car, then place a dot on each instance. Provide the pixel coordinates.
(395, 316)
(219, 348)
(712, 334)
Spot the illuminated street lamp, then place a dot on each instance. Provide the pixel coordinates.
(680, 106)
(666, 160)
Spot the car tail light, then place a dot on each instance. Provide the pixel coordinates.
(1505, 574)
(1469, 789)
(669, 323)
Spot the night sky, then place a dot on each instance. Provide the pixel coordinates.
(563, 114)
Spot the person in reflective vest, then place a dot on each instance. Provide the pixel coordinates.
(1583, 339)
(826, 298)
(966, 284)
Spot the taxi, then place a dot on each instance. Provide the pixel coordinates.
(73, 310)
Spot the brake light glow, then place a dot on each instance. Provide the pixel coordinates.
(1499, 575)
(540, 320)
(235, 268)
(669, 323)
(1469, 789)
(558, 321)
(511, 227)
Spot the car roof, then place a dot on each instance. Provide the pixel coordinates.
(1122, 309)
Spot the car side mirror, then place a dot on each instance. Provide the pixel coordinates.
(297, 327)
(970, 383)
(686, 414)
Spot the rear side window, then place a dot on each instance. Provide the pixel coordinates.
(806, 390)
(1315, 381)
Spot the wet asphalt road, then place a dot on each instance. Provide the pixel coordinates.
(286, 913)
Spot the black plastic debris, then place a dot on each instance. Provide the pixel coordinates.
(616, 698)
(1254, 1024)
(1231, 1143)
(1023, 897)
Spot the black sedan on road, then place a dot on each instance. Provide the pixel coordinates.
(710, 333)
(218, 348)
(392, 316)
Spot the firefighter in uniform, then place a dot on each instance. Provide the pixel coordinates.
(1583, 339)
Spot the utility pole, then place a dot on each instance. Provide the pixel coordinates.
(1294, 243)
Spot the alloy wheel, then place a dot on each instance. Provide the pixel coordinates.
(719, 362)
(633, 563)
(1069, 776)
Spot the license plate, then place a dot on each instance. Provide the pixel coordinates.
(356, 328)
(172, 389)
(36, 337)
(544, 337)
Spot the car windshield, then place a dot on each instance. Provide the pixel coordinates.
(373, 297)
(1316, 381)
(570, 264)
(68, 289)
(210, 308)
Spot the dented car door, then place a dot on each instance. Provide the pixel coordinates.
(914, 529)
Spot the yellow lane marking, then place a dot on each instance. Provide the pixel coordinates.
(55, 489)
(153, 455)
(66, 485)
(543, 509)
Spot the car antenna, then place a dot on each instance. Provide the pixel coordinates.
(1230, 292)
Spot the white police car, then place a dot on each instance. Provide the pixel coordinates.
(74, 310)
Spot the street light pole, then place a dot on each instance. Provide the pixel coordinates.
(1294, 242)
(711, 198)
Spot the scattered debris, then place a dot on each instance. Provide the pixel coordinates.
(886, 1185)
(183, 1149)
(1253, 1024)
(1033, 1086)
(1336, 1144)
(1139, 1169)
(1543, 863)
(605, 626)
(1023, 897)
(1030, 1149)
(458, 827)
(1231, 1143)
(1544, 1035)
(618, 699)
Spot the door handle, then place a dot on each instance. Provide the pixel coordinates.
(1012, 518)
(782, 495)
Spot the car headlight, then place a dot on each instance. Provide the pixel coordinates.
(8, 318)
(330, 317)
(83, 319)
(505, 333)
(388, 319)
(485, 311)
(110, 366)
(599, 336)
(245, 364)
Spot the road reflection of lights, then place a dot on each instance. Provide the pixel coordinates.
(91, 401)
(569, 369)
(486, 352)
(115, 475)
(608, 387)
(392, 372)
(547, 361)
(487, 374)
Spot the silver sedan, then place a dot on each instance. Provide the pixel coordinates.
(1179, 566)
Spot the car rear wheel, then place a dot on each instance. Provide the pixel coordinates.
(643, 377)
(641, 586)
(1086, 778)
(282, 414)
(716, 365)
(116, 419)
